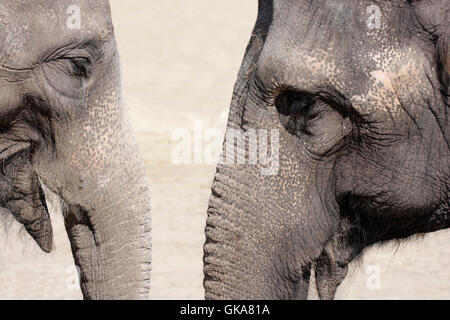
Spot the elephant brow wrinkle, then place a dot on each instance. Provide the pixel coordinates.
(339, 102)
(63, 50)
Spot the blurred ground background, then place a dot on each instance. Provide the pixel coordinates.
(180, 60)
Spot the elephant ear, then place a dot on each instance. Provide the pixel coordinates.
(22, 195)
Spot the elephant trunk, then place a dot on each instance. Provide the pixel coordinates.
(251, 252)
(107, 218)
(110, 240)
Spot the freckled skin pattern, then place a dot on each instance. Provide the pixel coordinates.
(63, 125)
(364, 144)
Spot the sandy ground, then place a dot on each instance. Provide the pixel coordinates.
(180, 60)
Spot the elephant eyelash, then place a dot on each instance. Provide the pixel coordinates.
(79, 67)
(291, 102)
(79, 61)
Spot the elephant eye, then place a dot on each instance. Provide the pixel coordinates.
(295, 109)
(289, 103)
(80, 67)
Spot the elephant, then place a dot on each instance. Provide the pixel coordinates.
(64, 128)
(356, 94)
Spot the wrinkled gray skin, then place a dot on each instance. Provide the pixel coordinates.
(63, 125)
(364, 144)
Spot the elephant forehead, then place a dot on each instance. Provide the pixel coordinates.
(31, 29)
(296, 67)
(399, 78)
(373, 69)
(312, 68)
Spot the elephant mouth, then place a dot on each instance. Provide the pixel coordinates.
(22, 195)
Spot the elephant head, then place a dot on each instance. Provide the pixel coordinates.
(359, 98)
(63, 125)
